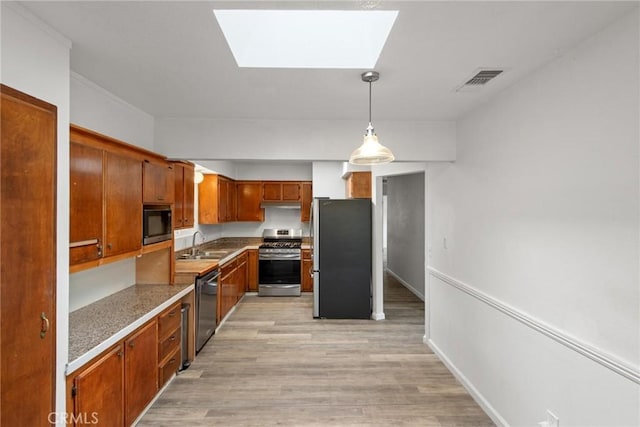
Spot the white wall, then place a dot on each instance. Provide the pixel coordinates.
(327, 180)
(298, 139)
(405, 230)
(97, 109)
(35, 60)
(541, 215)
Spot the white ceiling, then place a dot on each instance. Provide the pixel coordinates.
(170, 58)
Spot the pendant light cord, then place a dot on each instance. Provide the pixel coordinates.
(369, 102)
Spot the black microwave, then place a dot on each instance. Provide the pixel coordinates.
(156, 224)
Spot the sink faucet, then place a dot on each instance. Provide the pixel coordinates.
(194, 250)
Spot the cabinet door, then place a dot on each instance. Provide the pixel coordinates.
(241, 272)
(248, 205)
(271, 191)
(28, 253)
(85, 205)
(231, 201)
(305, 274)
(291, 191)
(99, 390)
(178, 205)
(359, 185)
(141, 370)
(188, 197)
(123, 204)
(307, 196)
(208, 200)
(223, 199)
(158, 184)
(252, 271)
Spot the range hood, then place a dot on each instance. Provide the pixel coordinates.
(281, 205)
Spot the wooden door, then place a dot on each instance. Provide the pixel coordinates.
(28, 253)
(123, 204)
(305, 207)
(209, 200)
(85, 207)
(141, 370)
(231, 201)
(178, 206)
(98, 393)
(248, 205)
(241, 275)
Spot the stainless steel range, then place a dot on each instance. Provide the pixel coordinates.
(279, 256)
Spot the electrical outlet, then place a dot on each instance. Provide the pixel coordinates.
(552, 419)
(444, 243)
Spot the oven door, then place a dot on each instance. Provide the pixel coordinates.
(279, 269)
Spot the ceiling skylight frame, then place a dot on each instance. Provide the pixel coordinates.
(319, 39)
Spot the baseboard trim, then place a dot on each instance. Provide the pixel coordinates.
(405, 284)
(555, 334)
(377, 316)
(477, 396)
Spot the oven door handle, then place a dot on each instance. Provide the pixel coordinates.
(278, 256)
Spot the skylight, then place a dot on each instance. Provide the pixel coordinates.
(306, 38)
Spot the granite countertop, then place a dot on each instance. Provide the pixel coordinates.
(232, 245)
(98, 326)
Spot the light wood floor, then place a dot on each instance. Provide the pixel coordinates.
(272, 364)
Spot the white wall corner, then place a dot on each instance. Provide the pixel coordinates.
(407, 285)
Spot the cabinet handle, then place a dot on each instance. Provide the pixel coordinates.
(44, 327)
(172, 338)
(132, 344)
(119, 354)
(172, 313)
(109, 246)
(173, 359)
(160, 197)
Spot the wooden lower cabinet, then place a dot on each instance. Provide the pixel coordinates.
(227, 289)
(306, 274)
(140, 374)
(115, 387)
(169, 332)
(98, 391)
(242, 274)
(252, 270)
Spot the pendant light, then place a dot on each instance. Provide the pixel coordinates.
(371, 152)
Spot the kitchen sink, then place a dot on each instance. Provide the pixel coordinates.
(204, 255)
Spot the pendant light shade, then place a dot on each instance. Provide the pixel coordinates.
(371, 152)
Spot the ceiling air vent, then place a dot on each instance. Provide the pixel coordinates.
(479, 79)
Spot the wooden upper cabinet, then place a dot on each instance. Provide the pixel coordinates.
(217, 200)
(123, 204)
(281, 191)
(248, 201)
(359, 185)
(85, 206)
(158, 185)
(183, 194)
(307, 196)
(291, 191)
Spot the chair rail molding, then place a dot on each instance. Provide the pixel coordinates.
(599, 356)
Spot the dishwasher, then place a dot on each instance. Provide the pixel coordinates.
(206, 303)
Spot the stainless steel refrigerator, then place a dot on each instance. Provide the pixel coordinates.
(341, 253)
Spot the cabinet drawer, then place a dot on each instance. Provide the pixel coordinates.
(169, 344)
(168, 368)
(169, 320)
